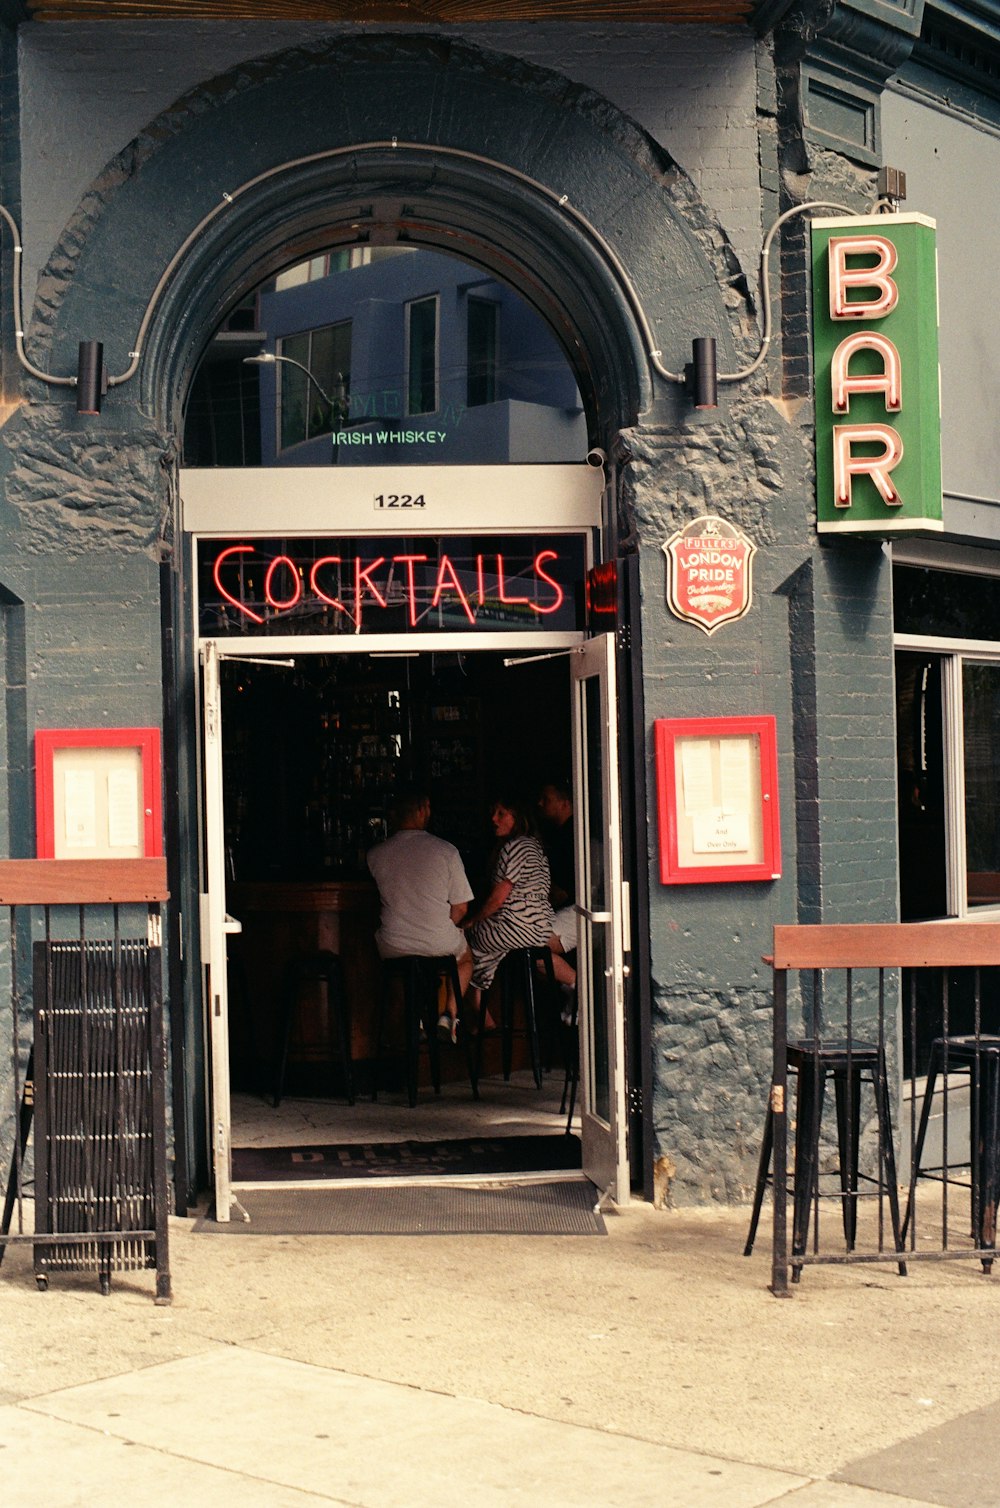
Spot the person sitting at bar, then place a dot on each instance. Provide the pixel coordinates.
(516, 912)
(424, 893)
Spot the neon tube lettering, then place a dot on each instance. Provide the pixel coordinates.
(445, 568)
(542, 576)
(269, 597)
(501, 593)
(216, 577)
(846, 466)
(843, 278)
(467, 578)
(889, 381)
(411, 587)
(362, 575)
(315, 587)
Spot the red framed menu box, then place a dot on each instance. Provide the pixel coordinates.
(717, 796)
(97, 793)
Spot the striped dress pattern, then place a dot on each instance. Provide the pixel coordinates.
(525, 920)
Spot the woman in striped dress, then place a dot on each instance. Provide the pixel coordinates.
(517, 912)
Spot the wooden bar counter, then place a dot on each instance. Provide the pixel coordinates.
(282, 921)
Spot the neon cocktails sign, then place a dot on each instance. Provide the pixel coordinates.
(878, 425)
(390, 585)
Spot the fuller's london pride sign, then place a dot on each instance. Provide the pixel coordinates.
(875, 343)
(709, 572)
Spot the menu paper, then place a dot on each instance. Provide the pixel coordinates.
(80, 816)
(123, 808)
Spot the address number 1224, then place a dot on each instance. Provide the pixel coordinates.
(399, 500)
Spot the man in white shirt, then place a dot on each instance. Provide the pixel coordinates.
(424, 893)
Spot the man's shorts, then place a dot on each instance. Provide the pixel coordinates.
(456, 945)
(564, 926)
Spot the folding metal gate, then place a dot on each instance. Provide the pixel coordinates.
(94, 1075)
(96, 1130)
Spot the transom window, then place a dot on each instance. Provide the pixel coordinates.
(383, 356)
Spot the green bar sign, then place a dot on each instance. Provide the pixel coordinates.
(875, 346)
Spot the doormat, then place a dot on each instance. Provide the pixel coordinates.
(536, 1209)
(476, 1155)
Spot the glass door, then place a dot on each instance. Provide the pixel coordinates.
(947, 743)
(213, 935)
(602, 906)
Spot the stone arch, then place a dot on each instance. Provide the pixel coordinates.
(497, 143)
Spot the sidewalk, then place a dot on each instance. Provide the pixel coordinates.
(648, 1367)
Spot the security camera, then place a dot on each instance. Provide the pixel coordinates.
(596, 457)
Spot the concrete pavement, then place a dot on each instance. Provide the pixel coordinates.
(651, 1366)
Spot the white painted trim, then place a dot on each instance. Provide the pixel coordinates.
(853, 222)
(339, 500)
(969, 649)
(953, 739)
(251, 647)
(413, 1181)
(938, 555)
(880, 526)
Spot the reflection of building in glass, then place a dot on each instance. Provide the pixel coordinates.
(314, 405)
(390, 355)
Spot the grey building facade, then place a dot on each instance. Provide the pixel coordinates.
(620, 176)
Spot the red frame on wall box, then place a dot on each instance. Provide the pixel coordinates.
(50, 741)
(756, 766)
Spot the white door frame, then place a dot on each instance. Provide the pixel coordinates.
(213, 935)
(602, 905)
(601, 968)
(246, 502)
(954, 655)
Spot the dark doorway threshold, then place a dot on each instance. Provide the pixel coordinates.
(470, 1156)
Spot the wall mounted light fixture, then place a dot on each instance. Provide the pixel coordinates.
(701, 379)
(91, 377)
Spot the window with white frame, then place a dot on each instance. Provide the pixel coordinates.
(314, 383)
(422, 356)
(947, 740)
(482, 323)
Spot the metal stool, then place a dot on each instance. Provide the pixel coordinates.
(321, 967)
(571, 1059)
(518, 968)
(979, 1057)
(420, 978)
(845, 1063)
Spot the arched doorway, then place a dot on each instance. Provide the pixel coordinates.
(469, 580)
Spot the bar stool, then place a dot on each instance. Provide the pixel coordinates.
(979, 1057)
(420, 978)
(570, 1025)
(517, 974)
(322, 967)
(845, 1063)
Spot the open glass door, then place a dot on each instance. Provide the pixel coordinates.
(214, 928)
(602, 903)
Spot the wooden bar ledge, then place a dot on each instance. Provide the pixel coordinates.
(80, 882)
